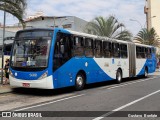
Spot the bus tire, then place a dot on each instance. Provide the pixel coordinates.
(145, 73)
(118, 76)
(80, 81)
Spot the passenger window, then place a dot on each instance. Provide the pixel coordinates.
(143, 52)
(140, 52)
(98, 48)
(107, 49)
(78, 46)
(123, 51)
(153, 50)
(116, 50)
(89, 52)
(149, 51)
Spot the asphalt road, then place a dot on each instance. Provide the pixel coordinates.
(104, 101)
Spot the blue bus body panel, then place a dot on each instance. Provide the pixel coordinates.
(150, 64)
(66, 74)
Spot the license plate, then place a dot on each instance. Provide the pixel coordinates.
(26, 84)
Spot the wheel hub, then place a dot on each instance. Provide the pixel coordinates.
(79, 81)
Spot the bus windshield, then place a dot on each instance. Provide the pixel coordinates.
(30, 53)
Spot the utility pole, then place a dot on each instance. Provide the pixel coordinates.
(4, 25)
(54, 22)
(148, 22)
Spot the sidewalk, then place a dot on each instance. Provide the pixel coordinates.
(7, 88)
(157, 72)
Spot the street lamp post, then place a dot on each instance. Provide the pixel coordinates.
(139, 24)
(4, 24)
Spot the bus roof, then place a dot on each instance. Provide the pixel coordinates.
(30, 29)
(96, 37)
(138, 44)
(87, 35)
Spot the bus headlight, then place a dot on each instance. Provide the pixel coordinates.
(44, 75)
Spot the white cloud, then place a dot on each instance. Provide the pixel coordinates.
(88, 9)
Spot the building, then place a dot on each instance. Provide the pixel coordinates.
(39, 21)
(7, 34)
(66, 22)
(151, 10)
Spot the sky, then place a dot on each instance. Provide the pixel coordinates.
(123, 10)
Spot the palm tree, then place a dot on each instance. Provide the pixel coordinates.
(109, 27)
(14, 7)
(148, 37)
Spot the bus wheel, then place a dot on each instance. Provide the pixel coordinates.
(79, 83)
(145, 73)
(118, 76)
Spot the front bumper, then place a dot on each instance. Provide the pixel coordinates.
(46, 83)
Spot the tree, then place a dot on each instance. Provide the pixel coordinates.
(109, 27)
(148, 37)
(14, 7)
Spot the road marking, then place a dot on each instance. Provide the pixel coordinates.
(49, 102)
(124, 106)
(125, 84)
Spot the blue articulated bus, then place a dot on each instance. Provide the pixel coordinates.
(57, 58)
